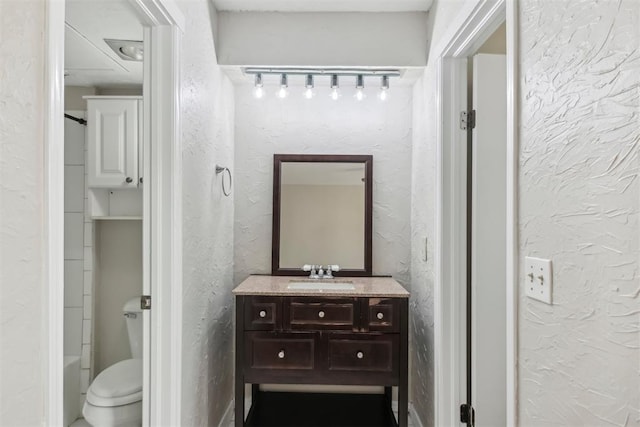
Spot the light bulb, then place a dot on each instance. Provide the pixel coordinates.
(335, 88)
(308, 93)
(359, 87)
(284, 84)
(384, 88)
(282, 92)
(258, 92)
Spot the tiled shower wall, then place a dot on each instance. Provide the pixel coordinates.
(78, 252)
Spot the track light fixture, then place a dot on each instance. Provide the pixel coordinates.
(309, 92)
(335, 88)
(359, 87)
(284, 87)
(384, 88)
(309, 75)
(258, 90)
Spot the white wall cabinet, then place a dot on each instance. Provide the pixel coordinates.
(114, 156)
(114, 132)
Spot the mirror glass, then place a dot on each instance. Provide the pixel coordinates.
(322, 213)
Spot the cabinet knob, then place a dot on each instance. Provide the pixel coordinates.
(321, 314)
(263, 313)
(129, 180)
(380, 316)
(359, 355)
(281, 354)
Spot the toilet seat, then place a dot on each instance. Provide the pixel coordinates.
(119, 384)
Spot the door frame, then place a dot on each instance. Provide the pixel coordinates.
(477, 20)
(163, 203)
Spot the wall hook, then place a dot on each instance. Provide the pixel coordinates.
(219, 170)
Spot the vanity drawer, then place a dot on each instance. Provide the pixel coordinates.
(369, 353)
(382, 314)
(321, 313)
(262, 313)
(280, 351)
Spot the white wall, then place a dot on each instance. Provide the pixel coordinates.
(579, 206)
(207, 136)
(323, 39)
(322, 126)
(23, 330)
(118, 278)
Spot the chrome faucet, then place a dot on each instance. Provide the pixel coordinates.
(318, 271)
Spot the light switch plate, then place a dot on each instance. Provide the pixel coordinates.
(538, 279)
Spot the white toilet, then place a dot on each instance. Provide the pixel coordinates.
(114, 398)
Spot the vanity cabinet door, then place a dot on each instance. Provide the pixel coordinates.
(309, 313)
(263, 313)
(371, 354)
(381, 314)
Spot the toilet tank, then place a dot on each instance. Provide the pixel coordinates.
(133, 316)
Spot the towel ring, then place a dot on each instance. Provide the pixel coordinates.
(220, 169)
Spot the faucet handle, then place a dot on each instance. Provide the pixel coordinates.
(333, 267)
(307, 267)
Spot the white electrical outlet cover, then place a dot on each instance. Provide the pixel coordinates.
(538, 279)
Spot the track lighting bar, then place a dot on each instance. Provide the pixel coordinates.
(355, 72)
(333, 73)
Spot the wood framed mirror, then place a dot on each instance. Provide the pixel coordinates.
(322, 213)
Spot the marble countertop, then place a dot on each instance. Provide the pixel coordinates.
(384, 287)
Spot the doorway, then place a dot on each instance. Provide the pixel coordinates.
(457, 382)
(162, 261)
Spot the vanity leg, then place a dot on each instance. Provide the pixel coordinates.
(403, 386)
(239, 377)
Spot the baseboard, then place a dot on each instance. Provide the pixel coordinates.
(227, 418)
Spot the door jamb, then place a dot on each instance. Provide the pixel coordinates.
(165, 191)
(476, 21)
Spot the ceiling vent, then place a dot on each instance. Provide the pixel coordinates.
(129, 50)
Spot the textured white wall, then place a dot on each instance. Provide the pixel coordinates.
(423, 214)
(207, 137)
(579, 206)
(22, 328)
(322, 126)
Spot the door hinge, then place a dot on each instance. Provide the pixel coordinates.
(468, 119)
(467, 414)
(145, 302)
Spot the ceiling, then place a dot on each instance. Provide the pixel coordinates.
(323, 5)
(89, 61)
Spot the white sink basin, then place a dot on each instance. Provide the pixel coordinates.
(302, 285)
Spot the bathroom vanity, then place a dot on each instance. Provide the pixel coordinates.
(342, 331)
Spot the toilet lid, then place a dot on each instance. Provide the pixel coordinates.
(119, 384)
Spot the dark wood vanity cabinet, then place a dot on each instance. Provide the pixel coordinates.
(321, 340)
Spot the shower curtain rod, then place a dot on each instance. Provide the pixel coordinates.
(76, 119)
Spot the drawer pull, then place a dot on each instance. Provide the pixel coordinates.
(321, 314)
(380, 316)
(263, 313)
(359, 355)
(281, 354)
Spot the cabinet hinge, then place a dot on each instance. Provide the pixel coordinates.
(145, 302)
(467, 414)
(468, 119)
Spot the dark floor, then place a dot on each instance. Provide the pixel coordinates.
(320, 410)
